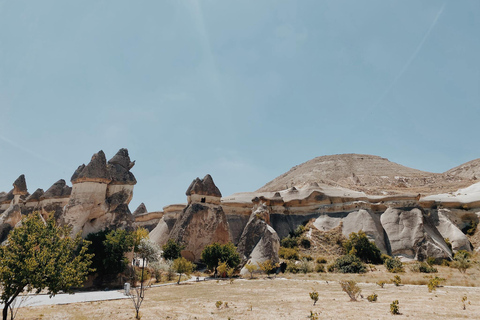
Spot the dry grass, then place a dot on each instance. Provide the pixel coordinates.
(287, 299)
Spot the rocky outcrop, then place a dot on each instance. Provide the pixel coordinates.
(204, 191)
(412, 236)
(447, 228)
(141, 209)
(259, 241)
(355, 221)
(8, 220)
(20, 186)
(58, 190)
(200, 225)
(100, 194)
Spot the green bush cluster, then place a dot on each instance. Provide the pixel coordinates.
(288, 253)
(372, 298)
(393, 265)
(422, 267)
(359, 245)
(348, 264)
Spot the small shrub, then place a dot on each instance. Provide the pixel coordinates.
(298, 231)
(393, 265)
(464, 302)
(397, 280)
(422, 267)
(461, 261)
(384, 257)
(433, 283)
(448, 243)
(470, 228)
(292, 267)
(394, 308)
(218, 304)
(381, 284)
(349, 264)
(251, 268)
(431, 261)
(351, 288)
(289, 242)
(314, 296)
(304, 242)
(331, 267)
(313, 316)
(320, 268)
(308, 257)
(372, 298)
(288, 253)
(305, 266)
(321, 260)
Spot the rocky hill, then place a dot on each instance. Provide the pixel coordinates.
(373, 175)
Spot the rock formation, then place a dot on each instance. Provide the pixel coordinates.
(259, 241)
(202, 222)
(100, 194)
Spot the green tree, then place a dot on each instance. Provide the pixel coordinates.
(182, 265)
(215, 253)
(348, 264)
(359, 245)
(172, 250)
(109, 248)
(41, 255)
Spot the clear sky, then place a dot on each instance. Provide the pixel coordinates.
(243, 90)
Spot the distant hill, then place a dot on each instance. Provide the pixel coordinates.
(373, 175)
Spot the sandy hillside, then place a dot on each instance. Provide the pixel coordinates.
(374, 175)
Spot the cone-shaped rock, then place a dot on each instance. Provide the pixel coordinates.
(259, 241)
(35, 196)
(140, 210)
(20, 186)
(119, 168)
(7, 197)
(204, 187)
(95, 171)
(58, 190)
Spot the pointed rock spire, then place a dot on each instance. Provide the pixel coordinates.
(119, 168)
(140, 210)
(95, 171)
(35, 196)
(58, 190)
(20, 186)
(204, 187)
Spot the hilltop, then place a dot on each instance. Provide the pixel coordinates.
(374, 175)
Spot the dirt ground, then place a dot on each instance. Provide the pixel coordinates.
(279, 298)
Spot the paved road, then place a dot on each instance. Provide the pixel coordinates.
(87, 296)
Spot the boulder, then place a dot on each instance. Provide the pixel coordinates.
(412, 236)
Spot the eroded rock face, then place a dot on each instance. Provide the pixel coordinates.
(199, 225)
(412, 236)
(141, 209)
(100, 194)
(204, 191)
(448, 229)
(355, 221)
(259, 241)
(8, 220)
(20, 186)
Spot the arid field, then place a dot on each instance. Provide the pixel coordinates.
(287, 297)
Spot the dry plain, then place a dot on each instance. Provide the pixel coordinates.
(287, 297)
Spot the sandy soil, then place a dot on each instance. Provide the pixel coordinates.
(274, 299)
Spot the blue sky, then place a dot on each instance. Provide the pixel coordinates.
(243, 90)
